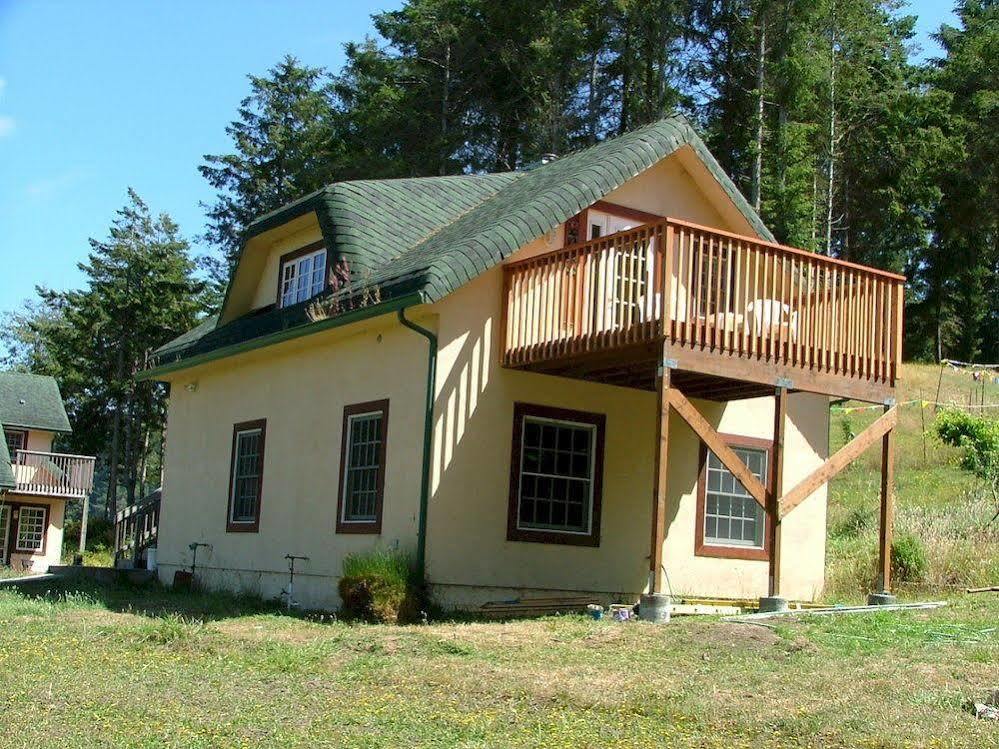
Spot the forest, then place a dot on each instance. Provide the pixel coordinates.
(825, 114)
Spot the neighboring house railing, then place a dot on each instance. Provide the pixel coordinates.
(136, 528)
(53, 474)
(724, 293)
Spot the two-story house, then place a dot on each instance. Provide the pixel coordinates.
(600, 374)
(35, 483)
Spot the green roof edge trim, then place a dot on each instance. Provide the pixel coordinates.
(375, 310)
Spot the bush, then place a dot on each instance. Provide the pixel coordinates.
(858, 521)
(909, 563)
(380, 586)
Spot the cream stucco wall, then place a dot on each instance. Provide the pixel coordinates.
(53, 538)
(301, 387)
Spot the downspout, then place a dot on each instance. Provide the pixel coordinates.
(428, 426)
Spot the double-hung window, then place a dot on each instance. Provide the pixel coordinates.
(17, 439)
(31, 526)
(302, 275)
(556, 473)
(362, 467)
(730, 522)
(246, 476)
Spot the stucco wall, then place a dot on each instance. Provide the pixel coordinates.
(300, 389)
(53, 536)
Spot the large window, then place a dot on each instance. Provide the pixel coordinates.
(556, 471)
(730, 522)
(246, 476)
(362, 467)
(31, 526)
(302, 276)
(17, 439)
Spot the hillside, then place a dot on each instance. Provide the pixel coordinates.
(937, 502)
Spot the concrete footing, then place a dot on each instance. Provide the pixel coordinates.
(654, 607)
(881, 599)
(770, 604)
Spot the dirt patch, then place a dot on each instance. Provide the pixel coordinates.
(732, 635)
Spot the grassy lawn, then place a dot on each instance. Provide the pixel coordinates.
(129, 667)
(88, 668)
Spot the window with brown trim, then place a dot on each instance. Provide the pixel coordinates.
(362, 467)
(556, 474)
(32, 524)
(17, 439)
(246, 476)
(730, 523)
(302, 274)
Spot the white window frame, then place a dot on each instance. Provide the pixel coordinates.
(761, 519)
(253, 431)
(24, 439)
(538, 528)
(293, 291)
(344, 500)
(41, 536)
(5, 521)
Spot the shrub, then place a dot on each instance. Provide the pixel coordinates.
(380, 586)
(858, 521)
(909, 563)
(979, 438)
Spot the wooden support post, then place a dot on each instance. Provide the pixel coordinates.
(660, 478)
(887, 526)
(776, 489)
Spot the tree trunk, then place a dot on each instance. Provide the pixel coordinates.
(445, 95)
(111, 503)
(756, 187)
(831, 167)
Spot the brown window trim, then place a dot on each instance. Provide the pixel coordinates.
(237, 526)
(15, 526)
(374, 526)
(23, 433)
(701, 549)
(623, 211)
(513, 532)
(294, 255)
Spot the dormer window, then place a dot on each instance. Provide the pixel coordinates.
(302, 276)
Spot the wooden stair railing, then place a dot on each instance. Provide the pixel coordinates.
(136, 528)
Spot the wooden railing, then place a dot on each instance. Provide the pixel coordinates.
(53, 474)
(136, 528)
(723, 293)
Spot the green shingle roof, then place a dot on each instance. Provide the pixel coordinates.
(32, 402)
(6, 472)
(430, 235)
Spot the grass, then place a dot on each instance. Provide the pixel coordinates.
(149, 667)
(130, 667)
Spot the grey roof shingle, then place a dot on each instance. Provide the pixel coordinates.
(433, 234)
(32, 402)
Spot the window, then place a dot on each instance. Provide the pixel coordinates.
(17, 439)
(31, 526)
(302, 276)
(555, 477)
(246, 476)
(362, 467)
(730, 522)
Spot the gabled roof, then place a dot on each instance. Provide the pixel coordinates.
(422, 238)
(32, 402)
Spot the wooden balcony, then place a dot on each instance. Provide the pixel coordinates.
(732, 316)
(53, 474)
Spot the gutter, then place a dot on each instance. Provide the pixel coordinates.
(428, 425)
(280, 336)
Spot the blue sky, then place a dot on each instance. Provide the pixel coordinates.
(98, 96)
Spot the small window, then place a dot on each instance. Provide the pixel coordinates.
(246, 476)
(595, 231)
(730, 522)
(557, 465)
(362, 468)
(302, 276)
(17, 439)
(31, 523)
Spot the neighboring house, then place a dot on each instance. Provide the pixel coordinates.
(35, 483)
(573, 338)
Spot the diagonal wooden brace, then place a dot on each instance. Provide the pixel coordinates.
(717, 445)
(840, 460)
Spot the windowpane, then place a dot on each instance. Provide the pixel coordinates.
(31, 529)
(731, 516)
(363, 467)
(556, 481)
(17, 439)
(246, 475)
(303, 277)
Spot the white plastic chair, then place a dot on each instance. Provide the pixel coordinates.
(771, 313)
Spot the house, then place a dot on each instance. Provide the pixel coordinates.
(35, 483)
(599, 374)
